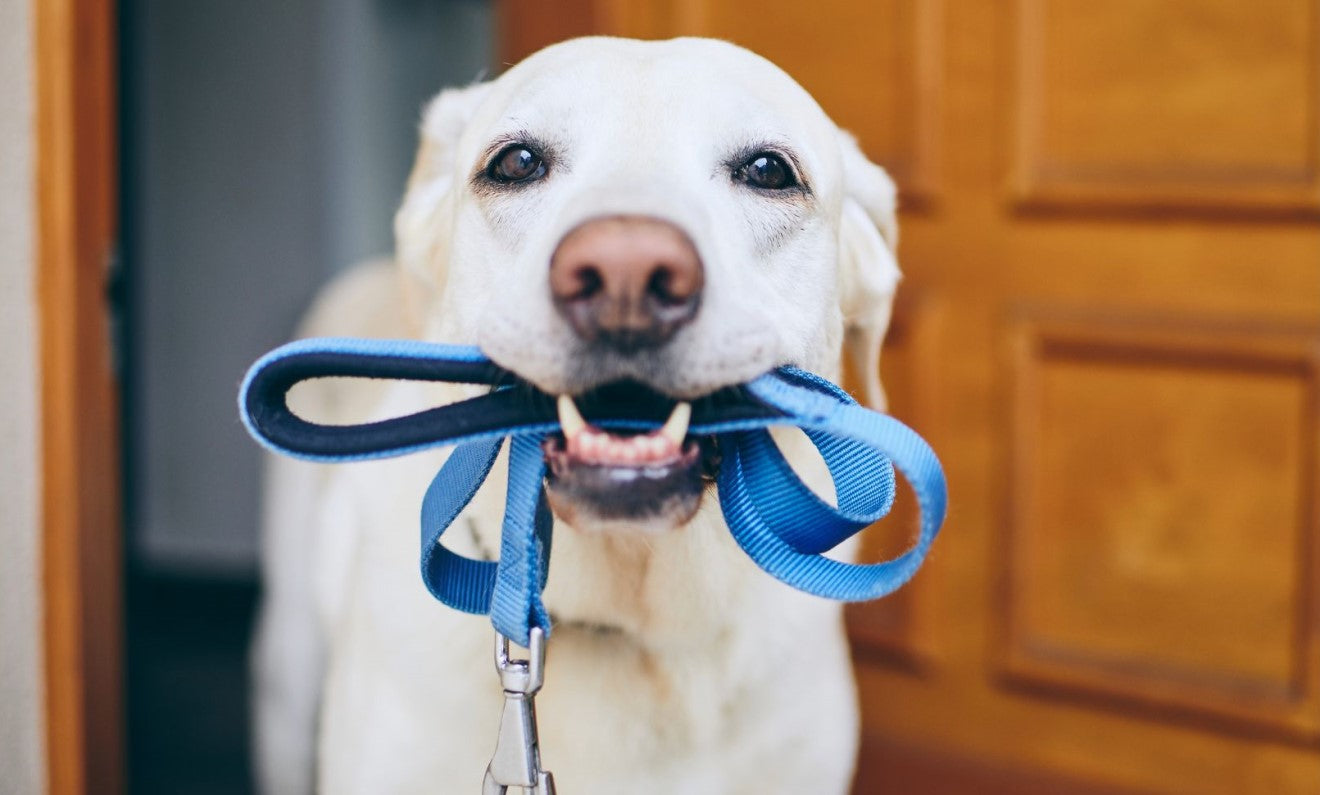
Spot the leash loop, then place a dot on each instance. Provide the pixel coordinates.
(775, 518)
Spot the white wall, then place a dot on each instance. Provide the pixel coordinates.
(21, 767)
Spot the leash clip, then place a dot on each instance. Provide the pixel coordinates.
(517, 759)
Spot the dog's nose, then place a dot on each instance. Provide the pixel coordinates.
(628, 282)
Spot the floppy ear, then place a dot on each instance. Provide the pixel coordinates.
(868, 269)
(422, 226)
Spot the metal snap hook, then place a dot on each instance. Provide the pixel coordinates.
(517, 758)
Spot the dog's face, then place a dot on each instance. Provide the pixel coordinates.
(620, 218)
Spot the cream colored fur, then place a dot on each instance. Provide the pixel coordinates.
(712, 677)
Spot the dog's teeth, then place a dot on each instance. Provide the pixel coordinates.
(643, 448)
(676, 427)
(591, 445)
(656, 447)
(629, 453)
(570, 419)
(595, 446)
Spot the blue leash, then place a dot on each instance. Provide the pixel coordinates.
(775, 518)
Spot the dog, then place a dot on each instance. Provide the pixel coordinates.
(678, 214)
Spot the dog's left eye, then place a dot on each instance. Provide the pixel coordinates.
(766, 170)
(516, 163)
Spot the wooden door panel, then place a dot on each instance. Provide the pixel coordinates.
(1178, 102)
(1163, 524)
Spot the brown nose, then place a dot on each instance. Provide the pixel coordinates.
(628, 282)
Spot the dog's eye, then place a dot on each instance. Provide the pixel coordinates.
(767, 171)
(516, 163)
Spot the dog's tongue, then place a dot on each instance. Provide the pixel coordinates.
(595, 446)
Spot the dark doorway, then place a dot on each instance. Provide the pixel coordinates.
(264, 147)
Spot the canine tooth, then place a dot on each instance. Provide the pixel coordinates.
(675, 428)
(570, 419)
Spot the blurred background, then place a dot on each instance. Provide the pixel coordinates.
(264, 148)
(1109, 328)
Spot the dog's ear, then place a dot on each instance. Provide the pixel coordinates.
(868, 268)
(422, 226)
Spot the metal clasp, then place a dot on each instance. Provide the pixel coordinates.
(517, 759)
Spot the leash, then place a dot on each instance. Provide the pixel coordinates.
(774, 517)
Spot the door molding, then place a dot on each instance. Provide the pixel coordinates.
(76, 159)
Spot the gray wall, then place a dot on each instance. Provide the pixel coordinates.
(21, 718)
(267, 147)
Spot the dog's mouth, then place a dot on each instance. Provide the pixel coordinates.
(653, 479)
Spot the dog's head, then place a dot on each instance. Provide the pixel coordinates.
(617, 217)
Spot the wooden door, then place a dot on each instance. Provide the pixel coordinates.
(76, 192)
(1110, 330)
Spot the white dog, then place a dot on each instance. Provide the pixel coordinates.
(680, 214)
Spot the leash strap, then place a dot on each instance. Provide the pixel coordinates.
(774, 517)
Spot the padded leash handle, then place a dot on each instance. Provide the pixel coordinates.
(511, 408)
(263, 398)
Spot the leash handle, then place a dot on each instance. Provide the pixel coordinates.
(263, 398)
(776, 519)
(511, 407)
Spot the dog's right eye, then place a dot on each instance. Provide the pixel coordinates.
(516, 163)
(767, 171)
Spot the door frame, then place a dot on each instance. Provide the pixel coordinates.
(76, 164)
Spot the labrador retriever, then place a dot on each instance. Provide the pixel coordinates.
(679, 214)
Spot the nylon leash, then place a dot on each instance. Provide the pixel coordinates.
(775, 518)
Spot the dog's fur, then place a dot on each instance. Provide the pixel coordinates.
(676, 666)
